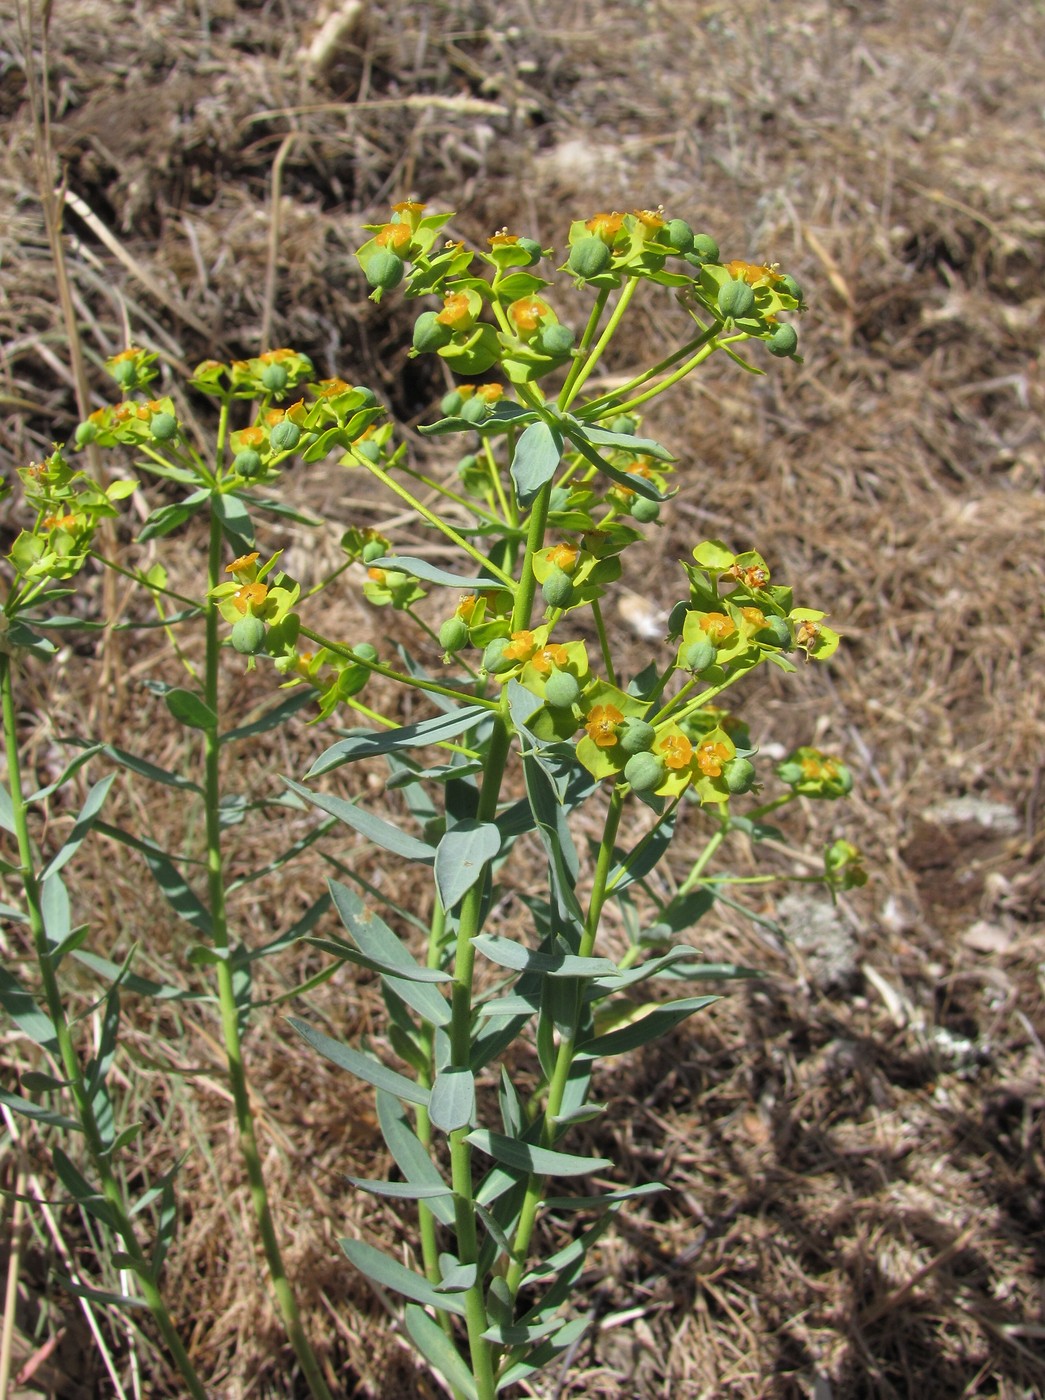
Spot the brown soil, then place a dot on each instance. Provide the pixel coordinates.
(856, 1143)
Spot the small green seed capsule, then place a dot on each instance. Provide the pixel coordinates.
(532, 248)
(636, 736)
(163, 426)
(373, 549)
(777, 632)
(248, 636)
(385, 270)
(557, 589)
(474, 410)
(589, 257)
(86, 432)
(783, 341)
(494, 659)
(678, 234)
(368, 449)
(274, 378)
(429, 334)
(450, 404)
(247, 462)
(644, 510)
(705, 248)
(562, 689)
(735, 299)
(453, 634)
(365, 651)
(125, 374)
(623, 423)
(644, 771)
(367, 397)
(555, 340)
(789, 772)
(739, 775)
(285, 436)
(698, 656)
(787, 283)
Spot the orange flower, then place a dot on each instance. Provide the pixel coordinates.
(409, 207)
(526, 313)
(456, 312)
(490, 393)
(601, 725)
(605, 226)
(330, 388)
(59, 522)
(564, 557)
(551, 655)
(252, 437)
(503, 239)
(754, 274)
(710, 757)
(677, 751)
(718, 626)
(466, 607)
(243, 563)
(754, 617)
(521, 647)
(250, 595)
(394, 237)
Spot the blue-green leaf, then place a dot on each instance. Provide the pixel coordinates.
(452, 1104)
(567, 1336)
(402, 1190)
(190, 709)
(407, 736)
(439, 1351)
(536, 1161)
(87, 817)
(371, 1071)
(609, 1198)
(152, 771)
(389, 1273)
(505, 952)
(461, 857)
(25, 1013)
(7, 811)
(410, 1155)
(376, 940)
(655, 1023)
(420, 568)
(63, 777)
(272, 719)
(380, 832)
(131, 982)
(99, 1295)
(538, 453)
(37, 1111)
(235, 520)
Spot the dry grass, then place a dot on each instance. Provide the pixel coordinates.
(856, 1145)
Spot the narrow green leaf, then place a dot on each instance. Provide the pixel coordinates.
(439, 1351)
(7, 811)
(410, 1155)
(25, 1013)
(131, 982)
(376, 940)
(402, 1190)
(609, 1198)
(152, 771)
(505, 952)
(538, 453)
(452, 1105)
(420, 568)
(63, 777)
(81, 1189)
(98, 1295)
(55, 910)
(235, 520)
(28, 1109)
(567, 1336)
(655, 1023)
(374, 829)
(189, 709)
(642, 487)
(457, 1278)
(362, 1066)
(536, 1161)
(462, 856)
(87, 817)
(644, 447)
(404, 972)
(272, 719)
(407, 736)
(389, 1273)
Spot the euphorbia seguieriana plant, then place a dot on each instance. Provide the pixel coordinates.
(530, 720)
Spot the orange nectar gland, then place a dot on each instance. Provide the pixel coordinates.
(521, 647)
(754, 576)
(710, 758)
(466, 607)
(525, 314)
(677, 751)
(754, 617)
(394, 237)
(249, 596)
(650, 219)
(252, 437)
(718, 626)
(564, 557)
(59, 522)
(243, 564)
(551, 655)
(605, 226)
(602, 724)
(489, 393)
(754, 274)
(456, 312)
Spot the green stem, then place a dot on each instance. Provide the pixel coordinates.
(568, 1044)
(566, 392)
(616, 316)
(600, 627)
(227, 997)
(70, 1061)
(605, 403)
(433, 687)
(688, 367)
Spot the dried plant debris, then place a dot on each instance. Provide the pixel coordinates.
(856, 1143)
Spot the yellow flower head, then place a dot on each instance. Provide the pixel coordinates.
(718, 626)
(602, 724)
(710, 757)
(551, 655)
(521, 647)
(394, 237)
(243, 564)
(605, 226)
(250, 596)
(677, 751)
(456, 312)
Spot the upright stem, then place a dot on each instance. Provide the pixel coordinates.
(227, 998)
(70, 1060)
(568, 1044)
